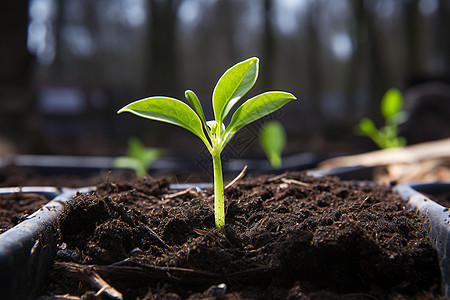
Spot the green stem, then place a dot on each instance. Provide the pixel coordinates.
(219, 209)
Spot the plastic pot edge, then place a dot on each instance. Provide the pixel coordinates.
(26, 249)
(437, 220)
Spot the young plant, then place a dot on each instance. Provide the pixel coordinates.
(393, 114)
(138, 158)
(272, 138)
(230, 88)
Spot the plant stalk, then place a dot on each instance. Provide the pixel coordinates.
(219, 198)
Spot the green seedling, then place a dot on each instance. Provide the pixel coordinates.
(138, 158)
(272, 138)
(230, 88)
(393, 114)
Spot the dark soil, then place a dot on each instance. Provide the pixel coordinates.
(11, 176)
(16, 206)
(290, 236)
(442, 198)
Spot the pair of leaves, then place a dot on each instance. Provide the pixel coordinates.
(392, 111)
(138, 158)
(386, 137)
(233, 84)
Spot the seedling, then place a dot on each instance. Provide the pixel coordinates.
(393, 114)
(138, 158)
(230, 88)
(272, 138)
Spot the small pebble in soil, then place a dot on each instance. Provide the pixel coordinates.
(216, 290)
(136, 251)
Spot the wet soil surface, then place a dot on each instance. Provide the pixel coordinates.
(11, 176)
(442, 198)
(289, 236)
(15, 207)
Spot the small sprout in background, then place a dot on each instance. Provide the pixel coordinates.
(230, 88)
(393, 114)
(138, 158)
(272, 138)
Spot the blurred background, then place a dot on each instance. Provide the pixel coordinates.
(67, 66)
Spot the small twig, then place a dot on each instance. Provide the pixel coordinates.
(104, 287)
(181, 193)
(364, 201)
(87, 273)
(65, 297)
(278, 177)
(201, 231)
(132, 269)
(392, 237)
(35, 246)
(153, 233)
(293, 181)
(360, 296)
(235, 180)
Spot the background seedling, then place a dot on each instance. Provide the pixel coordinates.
(138, 158)
(230, 88)
(272, 138)
(393, 114)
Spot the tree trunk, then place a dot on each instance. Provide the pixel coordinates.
(268, 55)
(162, 64)
(412, 43)
(313, 62)
(15, 59)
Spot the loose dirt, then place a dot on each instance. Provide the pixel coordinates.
(289, 236)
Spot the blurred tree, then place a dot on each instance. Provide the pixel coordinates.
(441, 30)
(18, 120)
(378, 77)
(268, 51)
(162, 65)
(355, 64)
(413, 41)
(57, 67)
(226, 11)
(366, 68)
(15, 60)
(313, 53)
(139, 47)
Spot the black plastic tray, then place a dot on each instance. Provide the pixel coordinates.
(26, 249)
(437, 219)
(87, 165)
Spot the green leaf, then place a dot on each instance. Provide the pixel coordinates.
(135, 148)
(392, 103)
(272, 138)
(145, 155)
(401, 141)
(234, 84)
(139, 157)
(127, 162)
(254, 109)
(168, 110)
(193, 100)
(366, 127)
